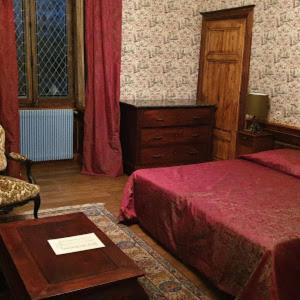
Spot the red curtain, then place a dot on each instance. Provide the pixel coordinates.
(101, 148)
(9, 104)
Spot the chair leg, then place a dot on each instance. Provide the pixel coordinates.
(37, 203)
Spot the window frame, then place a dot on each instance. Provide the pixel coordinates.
(30, 41)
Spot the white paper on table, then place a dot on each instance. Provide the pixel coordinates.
(75, 243)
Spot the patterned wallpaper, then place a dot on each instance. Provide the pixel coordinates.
(161, 43)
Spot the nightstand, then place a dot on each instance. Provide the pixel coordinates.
(249, 142)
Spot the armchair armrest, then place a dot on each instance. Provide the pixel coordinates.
(24, 160)
(17, 157)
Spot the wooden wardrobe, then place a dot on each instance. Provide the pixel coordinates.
(224, 72)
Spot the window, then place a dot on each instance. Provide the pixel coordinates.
(45, 51)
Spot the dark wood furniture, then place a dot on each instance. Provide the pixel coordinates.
(33, 271)
(249, 142)
(155, 136)
(284, 136)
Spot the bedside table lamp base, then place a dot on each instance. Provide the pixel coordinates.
(255, 126)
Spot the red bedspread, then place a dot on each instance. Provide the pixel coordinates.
(236, 221)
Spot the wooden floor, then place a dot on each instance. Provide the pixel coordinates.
(62, 185)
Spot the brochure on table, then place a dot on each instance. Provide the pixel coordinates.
(75, 243)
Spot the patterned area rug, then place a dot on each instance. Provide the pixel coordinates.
(162, 280)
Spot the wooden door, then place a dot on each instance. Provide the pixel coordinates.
(223, 76)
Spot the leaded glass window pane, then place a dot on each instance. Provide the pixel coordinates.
(52, 48)
(21, 53)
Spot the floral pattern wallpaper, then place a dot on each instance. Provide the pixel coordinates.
(161, 45)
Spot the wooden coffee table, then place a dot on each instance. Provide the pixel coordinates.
(33, 271)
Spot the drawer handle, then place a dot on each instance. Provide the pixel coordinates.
(195, 135)
(193, 153)
(157, 138)
(157, 156)
(244, 138)
(197, 118)
(160, 120)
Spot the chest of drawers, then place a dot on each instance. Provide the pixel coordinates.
(165, 136)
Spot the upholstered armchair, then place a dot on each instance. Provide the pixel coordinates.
(15, 192)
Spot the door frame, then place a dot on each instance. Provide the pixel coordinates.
(244, 12)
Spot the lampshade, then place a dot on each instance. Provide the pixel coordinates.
(257, 105)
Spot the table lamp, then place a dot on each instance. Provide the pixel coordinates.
(257, 105)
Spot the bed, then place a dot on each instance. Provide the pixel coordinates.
(237, 221)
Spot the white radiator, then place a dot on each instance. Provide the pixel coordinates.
(47, 134)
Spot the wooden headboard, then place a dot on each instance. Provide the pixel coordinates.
(285, 137)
